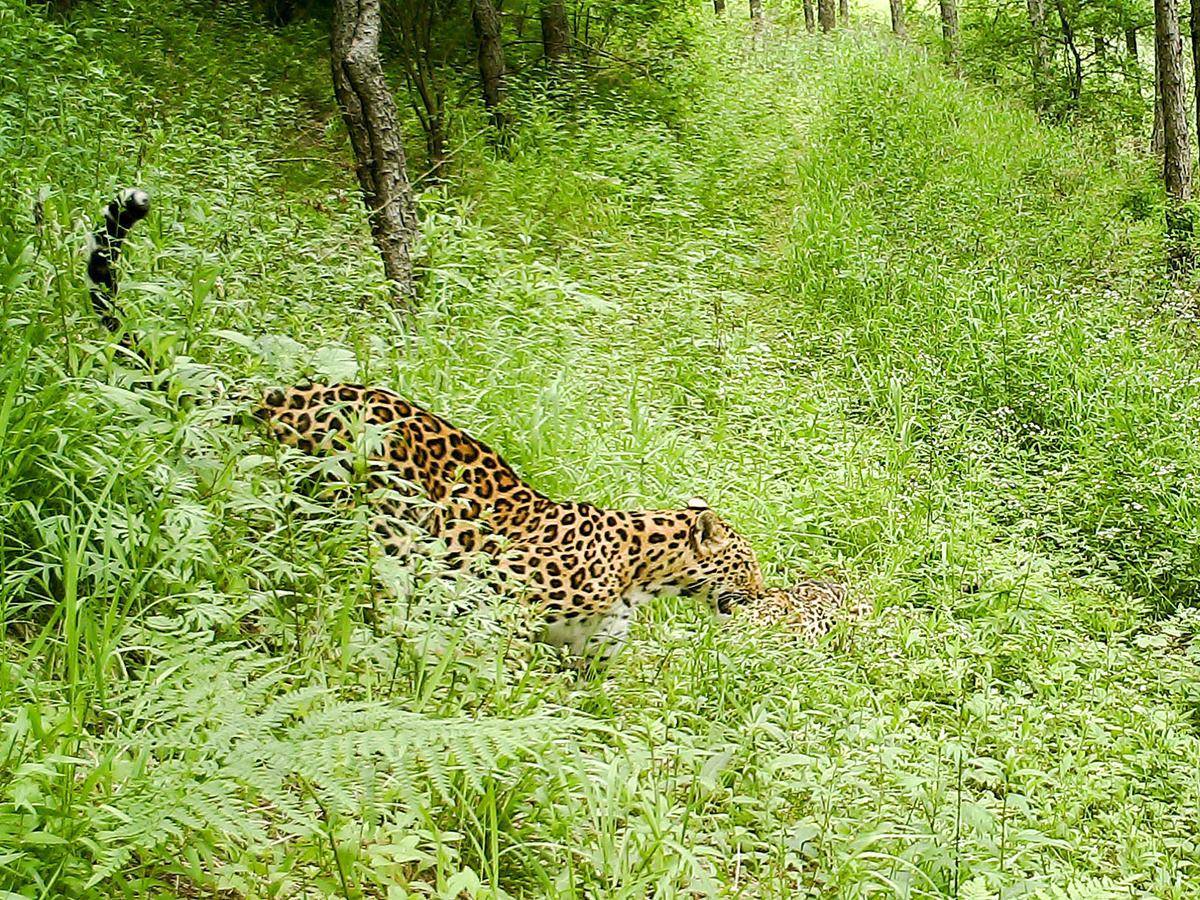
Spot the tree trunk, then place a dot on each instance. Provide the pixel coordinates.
(280, 12)
(492, 70)
(370, 115)
(556, 32)
(826, 14)
(898, 27)
(1177, 161)
(756, 12)
(719, 7)
(435, 146)
(1194, 27)
(429, 103)
(949, 10)
(844, 11)
(1040, 61)
(1131, 42)
(1156, 130)
(1068, 34)
(810, 16)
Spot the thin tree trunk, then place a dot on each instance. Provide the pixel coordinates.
(435, 147)
(431, 110)
(949, 9)
(756, 15)
(1177, 161)
(898, 27)
(1131, 42)
(810, 16)
(556, 32)
(844, 11)
(280, 12)
(1194, 28)
(492, 70)
(1040, 60)
(1068, 34)
(719, 7)
(370, 116)
(827, 15)
(1156, 130)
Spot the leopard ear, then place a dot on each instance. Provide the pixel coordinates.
(709, 533)
(697, 503)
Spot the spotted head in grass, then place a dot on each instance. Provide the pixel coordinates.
(809, 608)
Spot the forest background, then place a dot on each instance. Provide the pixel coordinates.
(906, 293)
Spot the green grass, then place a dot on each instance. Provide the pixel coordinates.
(889, 326)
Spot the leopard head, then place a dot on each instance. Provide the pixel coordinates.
(724, 569)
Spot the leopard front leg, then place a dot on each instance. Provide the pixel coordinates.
(609, 637)
(593, 637)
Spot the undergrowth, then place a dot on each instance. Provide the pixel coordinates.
(892, 327)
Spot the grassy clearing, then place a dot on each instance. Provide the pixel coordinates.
(892, 328)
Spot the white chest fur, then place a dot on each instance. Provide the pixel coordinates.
(604, 631)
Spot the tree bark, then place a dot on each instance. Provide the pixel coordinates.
(556, 31)
(1131, 42)
(1177, 162)
(756, 15)
(1156, 130)
(280, 12)
(429, 103)
(370, 116)
(1068, 35)
(898, 27)
(810, 16)
(719, 7)
(492, 69)
(844, 11)
(826, 15)
(435, 147)
(1194, 28)
(415, 24)
(1040, 59)
(949, 10)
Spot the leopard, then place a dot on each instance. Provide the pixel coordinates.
(809, 609)
(585, 569)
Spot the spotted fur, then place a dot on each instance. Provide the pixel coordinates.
(809, 609)
(585, 568)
